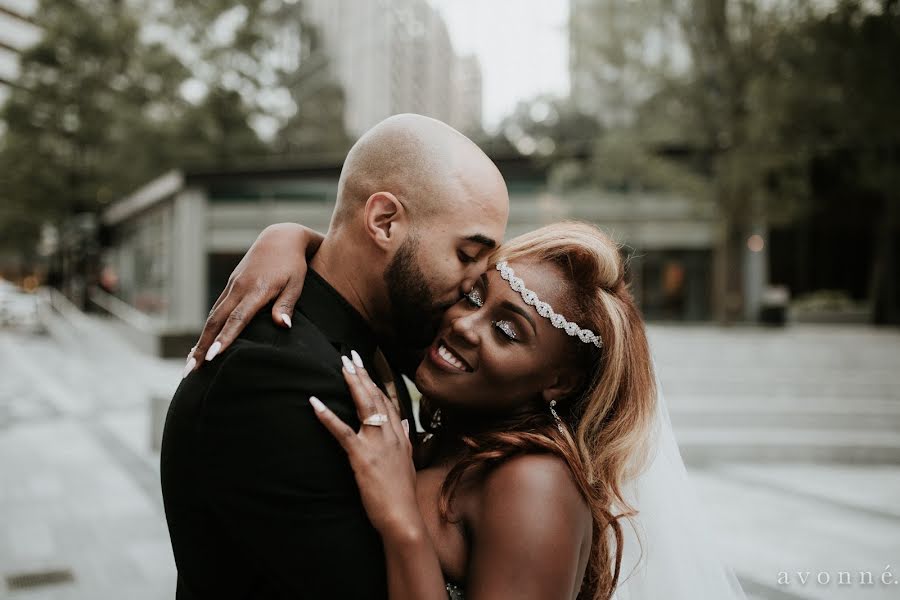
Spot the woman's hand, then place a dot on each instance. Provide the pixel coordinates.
(381, 455)
(274, 266)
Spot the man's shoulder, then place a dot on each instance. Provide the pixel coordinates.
(261, 329)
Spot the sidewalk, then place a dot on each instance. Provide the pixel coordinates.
(79, 488)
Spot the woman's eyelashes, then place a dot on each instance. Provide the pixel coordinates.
(475, 298)
(507, 329)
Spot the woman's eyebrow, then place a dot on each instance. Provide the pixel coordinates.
(519, 310)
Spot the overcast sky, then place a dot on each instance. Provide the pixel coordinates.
(523, 47)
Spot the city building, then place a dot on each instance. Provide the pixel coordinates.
(468, 106)
(171, 245)
(394, 56)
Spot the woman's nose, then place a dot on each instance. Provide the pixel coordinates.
(463, 327)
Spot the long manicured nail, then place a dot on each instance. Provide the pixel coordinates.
(191, 363)
(405, 424)
(348, 365)
(356, 359)
(286, 319)
(316, 404)
(213, 350)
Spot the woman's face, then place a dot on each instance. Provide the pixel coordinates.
(494, 353)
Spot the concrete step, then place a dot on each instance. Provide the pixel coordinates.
(701, 445)
(859, 413)
(812, 387)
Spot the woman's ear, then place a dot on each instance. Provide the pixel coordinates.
(565, 383)
(385, 219)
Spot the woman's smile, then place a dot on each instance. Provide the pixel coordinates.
(446, 358)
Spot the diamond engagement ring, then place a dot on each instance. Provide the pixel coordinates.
(376, 420)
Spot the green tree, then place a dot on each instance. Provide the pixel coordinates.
(705, 84)
(272, 57)
(835, 104)
(95, 113)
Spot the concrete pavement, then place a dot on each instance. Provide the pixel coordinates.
(79, 485)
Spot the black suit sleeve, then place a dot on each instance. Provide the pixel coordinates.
(276, 484)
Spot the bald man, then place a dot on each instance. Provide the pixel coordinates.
(260, 500)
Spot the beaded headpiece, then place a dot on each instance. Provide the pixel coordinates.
(545, 310)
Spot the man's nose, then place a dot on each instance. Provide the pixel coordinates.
(467, 284)
(472, 275)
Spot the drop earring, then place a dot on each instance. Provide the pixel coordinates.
(559, 422)
(436, 420)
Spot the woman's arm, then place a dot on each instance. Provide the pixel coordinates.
(531, 532)
(273, 268)
(381, 457)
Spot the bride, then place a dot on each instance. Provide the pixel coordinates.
(549, 469)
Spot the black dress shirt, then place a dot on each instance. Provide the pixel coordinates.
(260, 499)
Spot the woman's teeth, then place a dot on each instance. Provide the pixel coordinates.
(448, 356)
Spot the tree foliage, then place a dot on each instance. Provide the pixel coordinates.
(744, 103)
(117, 92)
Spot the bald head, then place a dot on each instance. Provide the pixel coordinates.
(430, 168)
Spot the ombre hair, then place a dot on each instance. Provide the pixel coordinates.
(609, 417)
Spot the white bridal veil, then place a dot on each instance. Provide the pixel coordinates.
(669, 550)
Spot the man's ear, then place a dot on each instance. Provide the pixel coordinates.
(385, 219)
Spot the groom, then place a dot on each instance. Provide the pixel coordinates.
(260, 500)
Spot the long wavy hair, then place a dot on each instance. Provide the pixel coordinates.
(608, 420)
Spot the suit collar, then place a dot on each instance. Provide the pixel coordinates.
(336, 318)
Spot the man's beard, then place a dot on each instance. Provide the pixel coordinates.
(414, 313)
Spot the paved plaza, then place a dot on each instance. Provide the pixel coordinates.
(791, 437)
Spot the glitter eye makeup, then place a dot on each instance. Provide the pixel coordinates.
(506, 328)
(475, 298)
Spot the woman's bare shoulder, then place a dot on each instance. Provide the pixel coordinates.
(526, 484)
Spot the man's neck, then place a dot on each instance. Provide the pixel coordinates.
(339, 265)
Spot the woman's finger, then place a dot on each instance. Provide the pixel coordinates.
(287, 300)
(211, 328)
(365, 401)
(382, 402)
(342, 432)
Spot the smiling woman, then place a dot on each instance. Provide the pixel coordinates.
(545, 355)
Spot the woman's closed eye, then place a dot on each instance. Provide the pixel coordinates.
(475, 298)
(507, 330)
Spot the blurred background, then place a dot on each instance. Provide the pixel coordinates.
(746, 153)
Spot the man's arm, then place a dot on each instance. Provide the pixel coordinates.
(273, 268)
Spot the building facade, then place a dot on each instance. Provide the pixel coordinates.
(395, 56)
(173, 243)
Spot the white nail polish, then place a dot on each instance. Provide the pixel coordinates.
(316, 404)
(191, 363)
(348, 365)
(405, 424)
(286, 319)
(356, 359)
(213, 350)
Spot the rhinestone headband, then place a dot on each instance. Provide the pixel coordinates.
(545, 310)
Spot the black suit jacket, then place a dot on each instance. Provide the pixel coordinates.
(260, 499)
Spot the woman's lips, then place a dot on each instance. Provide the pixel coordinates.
(446, 359)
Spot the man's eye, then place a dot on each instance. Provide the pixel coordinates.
(475, 299)
(465, 258)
